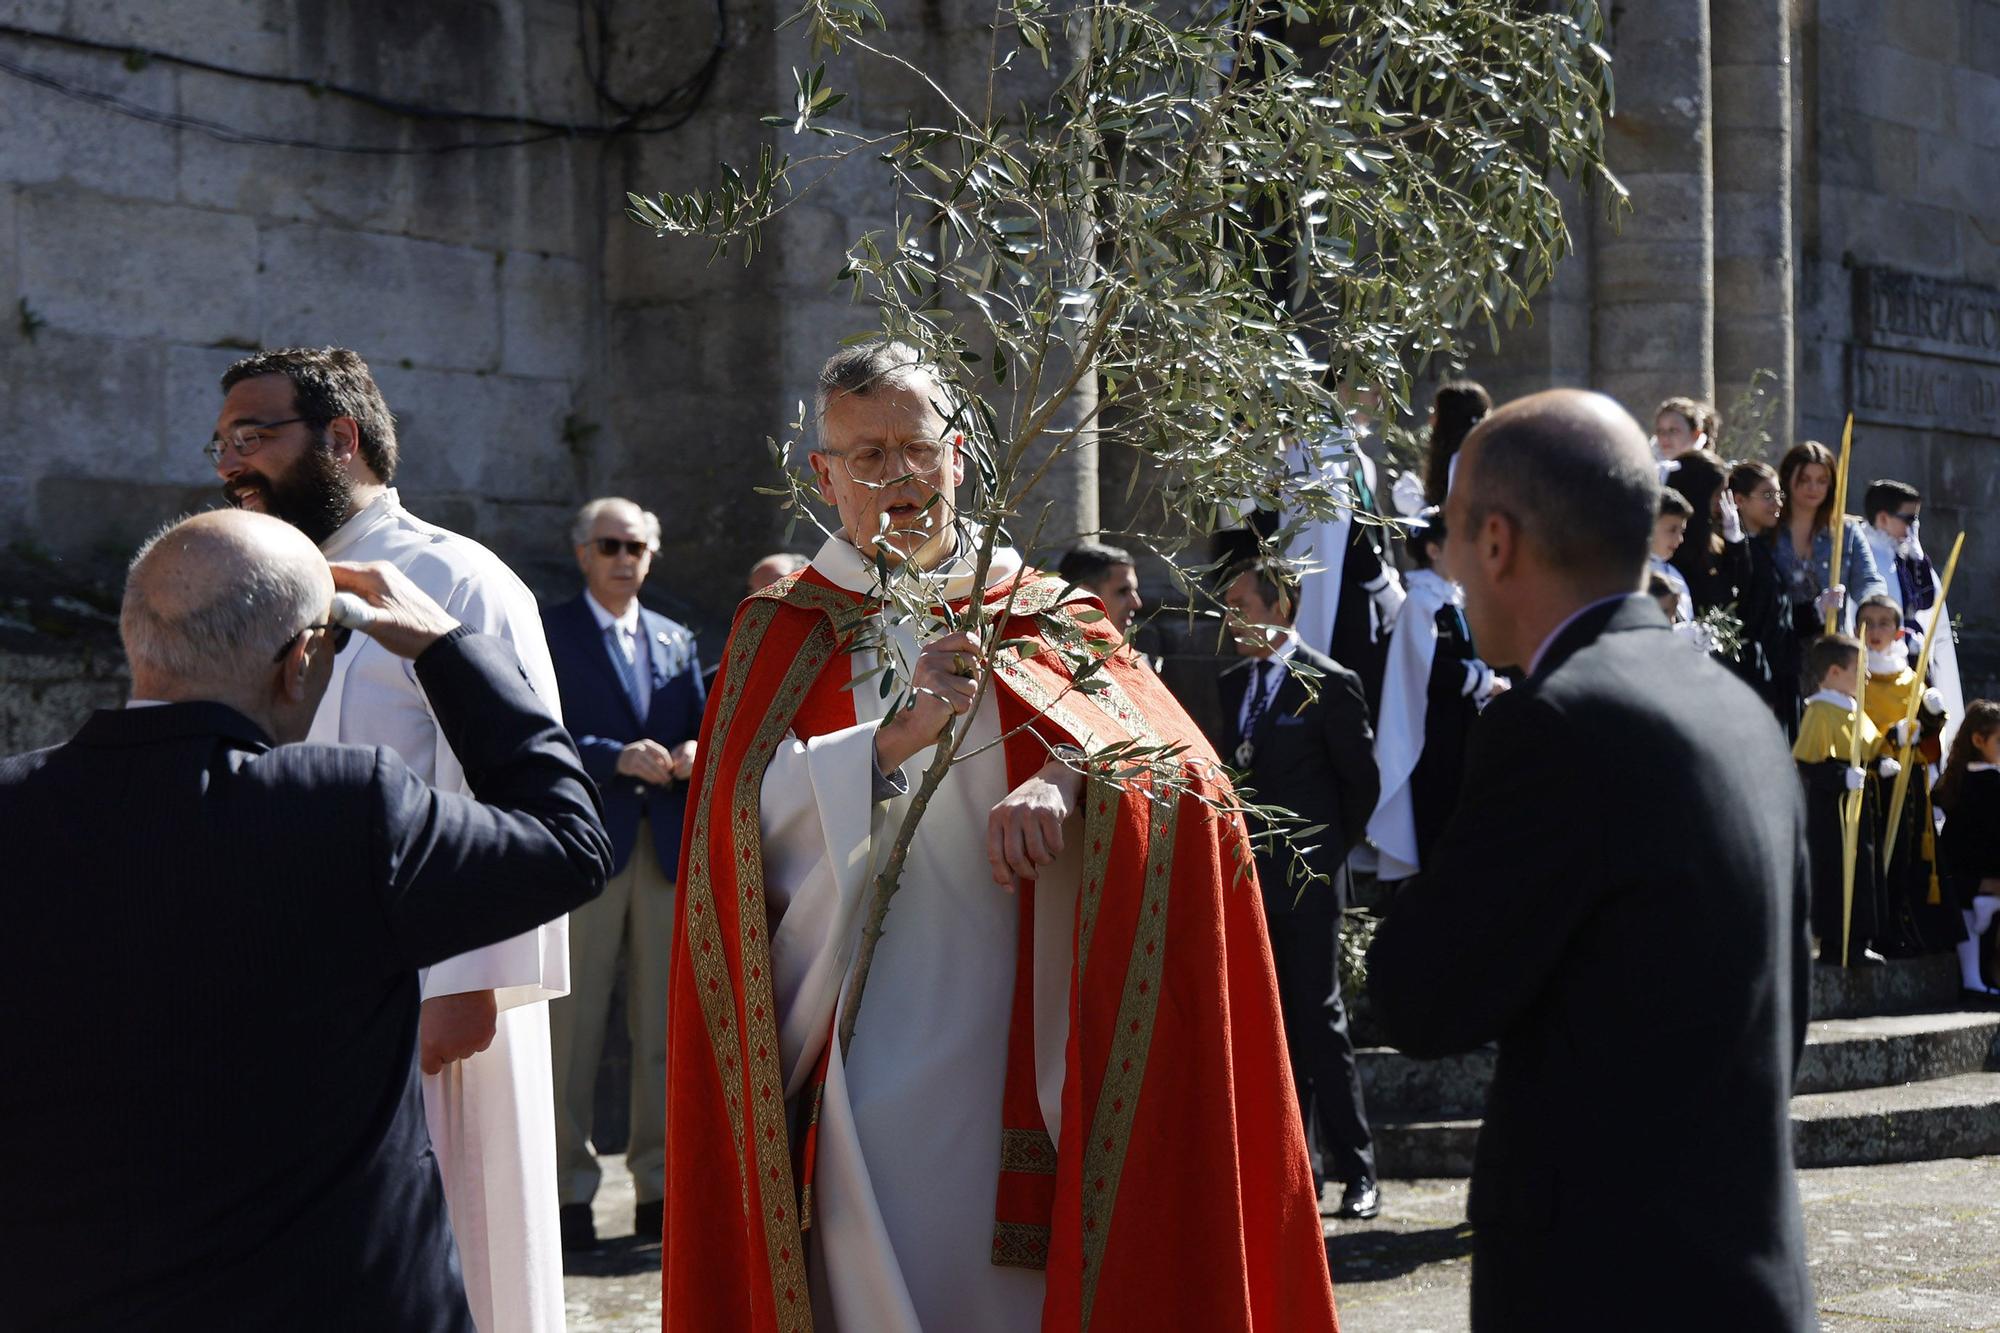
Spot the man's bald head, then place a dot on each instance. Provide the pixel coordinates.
(1572, 470)
(210, 600)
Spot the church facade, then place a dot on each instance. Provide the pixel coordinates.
(1813, 216)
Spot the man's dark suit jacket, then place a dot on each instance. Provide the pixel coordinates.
(600, 716)
(1620, 902)
(1315, 757)
(210, 1115)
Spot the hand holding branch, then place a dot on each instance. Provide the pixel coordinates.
(943, 683)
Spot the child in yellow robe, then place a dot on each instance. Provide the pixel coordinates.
(1922, 920)
(1826, 753)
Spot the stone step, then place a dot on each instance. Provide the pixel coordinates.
(1841, 1054)
(1423, 1149)
(1955, 1116)
(1902, 986)
(1393, 1083)
(1845, 1054)
(1945, 1117)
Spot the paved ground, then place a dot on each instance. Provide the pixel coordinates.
(1909, 1247)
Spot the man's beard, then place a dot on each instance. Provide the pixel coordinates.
(314, 495)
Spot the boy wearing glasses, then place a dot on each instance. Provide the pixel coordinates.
(632, 697)
(1893, 509)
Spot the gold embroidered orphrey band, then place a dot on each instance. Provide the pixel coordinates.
(784, 1246)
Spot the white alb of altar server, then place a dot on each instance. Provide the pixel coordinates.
(1336, 464)
(909, 1128)
(492, 1117)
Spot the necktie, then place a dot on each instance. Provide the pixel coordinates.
(1259, 695)
(615, 642)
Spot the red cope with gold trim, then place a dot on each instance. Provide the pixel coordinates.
(1181, 1196)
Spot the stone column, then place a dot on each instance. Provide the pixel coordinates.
(1065, 503)
(1653, 326)
(1754, 271)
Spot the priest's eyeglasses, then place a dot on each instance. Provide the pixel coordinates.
(870, 464)
(247, 438)
(341, 634)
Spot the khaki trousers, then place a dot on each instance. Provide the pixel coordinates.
(637, 908)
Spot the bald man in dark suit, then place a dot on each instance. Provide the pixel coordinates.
(1648, 993)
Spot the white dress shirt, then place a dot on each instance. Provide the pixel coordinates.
(1265, 682)
(632, 642)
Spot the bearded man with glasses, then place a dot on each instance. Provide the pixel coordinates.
(304, 435)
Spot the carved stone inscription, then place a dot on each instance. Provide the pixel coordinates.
(1926, 392)
(1917, 314)
(1927, 353)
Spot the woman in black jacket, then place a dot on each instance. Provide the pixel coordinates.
(1747, 569)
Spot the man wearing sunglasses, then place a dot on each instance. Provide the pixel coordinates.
(221, 992)
(304, 435)
(632, 696)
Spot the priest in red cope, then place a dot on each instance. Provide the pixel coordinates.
(1066, 1100)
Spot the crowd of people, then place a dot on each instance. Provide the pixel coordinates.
(1744, 563)
(374, 889)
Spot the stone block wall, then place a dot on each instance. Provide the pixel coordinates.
(138, 259)
(1899, 103)
(44, 696)
(539, 348)
(1779, 151)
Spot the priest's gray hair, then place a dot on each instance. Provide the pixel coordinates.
(204, 604)
(586, 519)
(878, 363)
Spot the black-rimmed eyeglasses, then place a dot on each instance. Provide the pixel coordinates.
(247, 438)
(341, 635)
(610, 546)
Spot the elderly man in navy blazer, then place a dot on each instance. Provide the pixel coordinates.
(632, 697)
(215, 986)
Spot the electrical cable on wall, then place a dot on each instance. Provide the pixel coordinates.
(677, 104)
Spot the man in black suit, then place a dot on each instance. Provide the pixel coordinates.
(1648, 992)
(1307, 747)
(216, 994)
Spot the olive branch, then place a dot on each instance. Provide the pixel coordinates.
(1155, 240)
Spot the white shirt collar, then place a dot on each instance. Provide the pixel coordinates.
(383, 507)
(1892, 663)
(1981, 766)
(145, 703)
(1569, 620)
(845, 567)
(629, 622)
(1282, 650)
(1281, 653)
(1844, 702)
